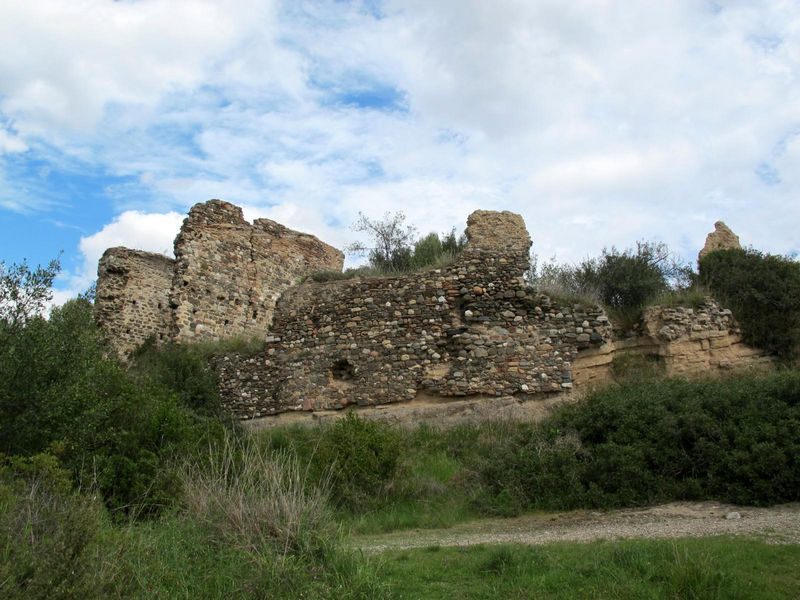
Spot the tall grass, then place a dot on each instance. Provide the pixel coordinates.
(257, 498)
(53, 543)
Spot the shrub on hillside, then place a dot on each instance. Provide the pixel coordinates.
(730, 440)
(361, 458)
(763, 291)
(49, 536)
(623, 281)
(181, 369)
(60, 391)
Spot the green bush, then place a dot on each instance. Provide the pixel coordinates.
(50, 538)
(763, 291)
(117, 434)
(730, 440)
(623, 281)
(394, 250)
(361, 457)
(181, 369)
(630, 279)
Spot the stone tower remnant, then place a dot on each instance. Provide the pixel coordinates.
(229, 273)
(224, 281)
(722, 238)
(132, 296)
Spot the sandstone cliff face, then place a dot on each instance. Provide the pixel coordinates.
(687, 341)
(722, 238)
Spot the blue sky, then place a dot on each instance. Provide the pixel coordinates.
(602, 123)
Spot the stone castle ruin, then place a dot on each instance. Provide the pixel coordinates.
(471, 330)
(225, 279)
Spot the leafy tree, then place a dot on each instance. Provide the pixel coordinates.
(452, 243)
(429, 249)
(763, 291)
(391, 239)
(632, 278)
(24, 293)
(61, 392)
(620, 280)
(394, 248)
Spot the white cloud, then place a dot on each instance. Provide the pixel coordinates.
(62, 63)
(152, 232)
(10, 143)
(600, 122)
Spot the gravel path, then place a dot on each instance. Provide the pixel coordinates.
(780, 524)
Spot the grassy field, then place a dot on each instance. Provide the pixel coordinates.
(710, 568)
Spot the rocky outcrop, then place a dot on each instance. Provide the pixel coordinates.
(722, 238)
(686, 341)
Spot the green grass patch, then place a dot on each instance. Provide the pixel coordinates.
(694, 296)
(709, 568)
(250, 525)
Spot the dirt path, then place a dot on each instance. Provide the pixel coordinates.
(780, 524)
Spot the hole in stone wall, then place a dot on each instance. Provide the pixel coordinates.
(255, 314)
(227, 322)
(343, 370)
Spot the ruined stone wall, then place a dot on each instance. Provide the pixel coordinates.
(225, 279)
(132, 298)
(470, 329)
(229, 273)
(688, 341)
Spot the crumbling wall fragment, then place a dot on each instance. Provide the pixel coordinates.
(132, 297)
(229, 273)
(722, 238)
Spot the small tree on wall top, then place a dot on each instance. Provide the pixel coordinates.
(391, 238)
(394, 247)
(763, 291)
